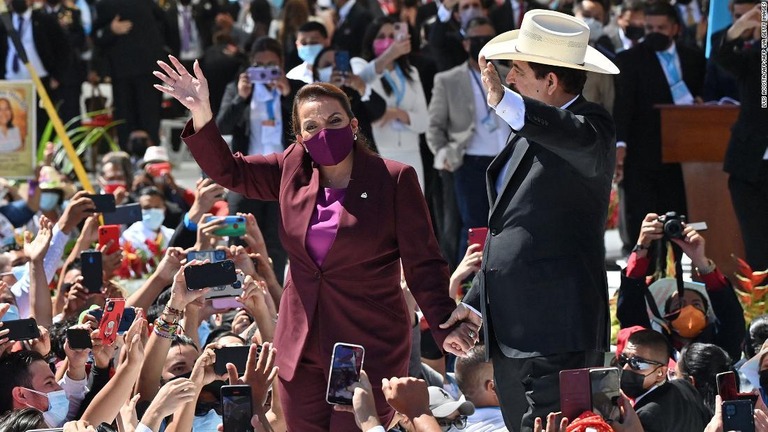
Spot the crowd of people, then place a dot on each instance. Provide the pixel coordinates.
(357, 142)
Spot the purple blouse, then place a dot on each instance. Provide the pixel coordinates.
(324, 223)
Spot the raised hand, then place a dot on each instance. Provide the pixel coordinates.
(260, 371)
(491, 82)
(37, 248)
(363, 404)
(190, 90)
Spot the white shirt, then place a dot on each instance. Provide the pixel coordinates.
(301, 73)
(344, 11)
(28, 42)
(266, 132)
(486, 419)
(137, 235)
(195, 47)
(625, 41)
(484, 142)
(10, 141)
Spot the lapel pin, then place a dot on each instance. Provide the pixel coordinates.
(364, 195)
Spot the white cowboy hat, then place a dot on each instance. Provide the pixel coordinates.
(550, 38)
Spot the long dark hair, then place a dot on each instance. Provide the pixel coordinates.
(370, 36)
(10, 108)
(703, 362)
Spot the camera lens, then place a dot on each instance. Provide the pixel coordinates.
(730, 410)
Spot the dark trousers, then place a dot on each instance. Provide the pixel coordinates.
(750, 201)
(447, 217)
(652, 191)
(471, 196)
(530, 387)
(138, 103)
(267, 215)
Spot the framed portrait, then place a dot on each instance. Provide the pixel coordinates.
(18, 140)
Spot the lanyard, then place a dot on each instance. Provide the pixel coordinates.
(476, 80)
(399, 91)
(271, 109)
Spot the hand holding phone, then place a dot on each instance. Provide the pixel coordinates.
(477, 236)
(341, 60)
(210, 275)
(232, 226)
(604, 386)
(107, 233)
(401, 31)
(22, 329)
(237, 355)
(105, 203)
(110, 321)
(236, 404)
(738, 415)
(92, 271)
(346, 364)
(79, 338)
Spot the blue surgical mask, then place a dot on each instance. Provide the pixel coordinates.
(19, 271)
(278, 4)
(153, 218)
(324, 74)
(595, 28)
(12, 314)
(308, 53)
(207, 423)
(48, 201)
(58, 407)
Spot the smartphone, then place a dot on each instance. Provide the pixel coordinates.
(158, 169)
(226, 292)
(129, 314)
(263, 74)
(341, 58)
(23, 329)
(604, 388)
(107, 233)
(110, 321)
(698, 226)
(738, 415)
(123, 215)
(90, 263)
(401, 31)
(575, 392)
(236, 408)
(478, 236)
(728, 388)
(233, 226)
(210, 275)
(237, 355)
(210, 255)
(79, 338)
(105, 203)
(346, 364)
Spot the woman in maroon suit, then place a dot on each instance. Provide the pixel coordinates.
(349, 219)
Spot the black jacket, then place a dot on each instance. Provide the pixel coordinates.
(51, 44)
(542, 286)
(349, 35)
(203, 15)
(675, 406)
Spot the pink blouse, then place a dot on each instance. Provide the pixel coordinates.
(324, 223)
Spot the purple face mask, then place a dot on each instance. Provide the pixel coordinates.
(330, 146)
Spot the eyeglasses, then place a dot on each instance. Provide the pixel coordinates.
(459, 422)
(637, 363)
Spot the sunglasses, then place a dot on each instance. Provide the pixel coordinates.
(459, 422)
(637, 363)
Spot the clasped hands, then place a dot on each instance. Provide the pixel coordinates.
(466, 333)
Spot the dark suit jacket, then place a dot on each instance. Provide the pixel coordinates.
(203, 15)
(718, 82)
(50, 42)
(136, 52)
(75, 74)
(355, 295)
(675, 406)
(641, 85)
(542, 286)
(749, 135)
(349, 35)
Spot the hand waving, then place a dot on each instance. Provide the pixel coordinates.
(190, 90)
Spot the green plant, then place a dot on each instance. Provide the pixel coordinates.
(82, 136)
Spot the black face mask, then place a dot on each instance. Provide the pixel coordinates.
(476, 43)
(634, 33)
(187, 2)
(19, 6)
(657, 41)
(764, 379)
(632, 383)
(53, 2)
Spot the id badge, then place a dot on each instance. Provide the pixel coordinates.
(490, 123)
(680, 94)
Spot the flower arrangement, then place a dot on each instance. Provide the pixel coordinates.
(138, 262)
(612, 221)
(748, 289)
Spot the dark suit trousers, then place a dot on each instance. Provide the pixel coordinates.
(750, 200)
(530, 387)
(447, 216)
(652, 191)
(138, 103)
(471, 197)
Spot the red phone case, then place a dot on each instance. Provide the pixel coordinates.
(107, 233)
(110, 321)
(477, 236)
(575, 392)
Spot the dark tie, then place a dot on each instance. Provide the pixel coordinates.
(186, 31)
(16, 61)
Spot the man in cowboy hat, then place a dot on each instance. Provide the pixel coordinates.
(542, 291)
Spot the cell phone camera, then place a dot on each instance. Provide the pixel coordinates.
(730, 410)
(110, 307)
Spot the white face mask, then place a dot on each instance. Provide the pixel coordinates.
(58, 407)
(324, 74)
(595, 28)
(153, 218)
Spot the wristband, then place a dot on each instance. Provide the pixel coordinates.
(709, 268)
(188, 224)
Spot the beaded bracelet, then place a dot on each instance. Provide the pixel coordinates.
(171, 311)
(165, 329)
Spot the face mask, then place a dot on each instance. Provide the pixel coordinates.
(476, 43)
(690, 322)
(19, 6)
(48, 201)
(467, 14)
(152, 218)
(634, 32)
(12, 314)
(308, 53)
(381, 45)
(632, 383)
(19, 271)
(595, 28)
(112, 186)
(324, 74)
(330, 146)
(278, 4)
(58, 407)
(658, 41)
(207, 423)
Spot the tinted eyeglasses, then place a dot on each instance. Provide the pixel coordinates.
(637, 363)
(459, 423)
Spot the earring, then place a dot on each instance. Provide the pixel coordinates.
(354, 137)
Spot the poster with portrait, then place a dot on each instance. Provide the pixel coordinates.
(18, 140)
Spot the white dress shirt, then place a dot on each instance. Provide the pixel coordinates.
(28, 41)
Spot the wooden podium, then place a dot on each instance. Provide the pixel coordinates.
(696, 136)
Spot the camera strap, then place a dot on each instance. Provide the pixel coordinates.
(667, 256)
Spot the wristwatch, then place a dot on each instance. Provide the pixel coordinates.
(639, 247)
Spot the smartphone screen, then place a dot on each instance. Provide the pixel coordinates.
(123, 215)
(575, 393)
(90, 262)
(236, 408)
(738, 415)
(210, 275)
(604, 385)
(237, 355)
(346, 364)
(79, 338)
(341, 58)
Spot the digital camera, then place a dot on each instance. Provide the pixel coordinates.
(674, 225)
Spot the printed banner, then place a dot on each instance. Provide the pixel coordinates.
(18, 140)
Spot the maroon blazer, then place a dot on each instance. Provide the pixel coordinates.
(355, 296)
